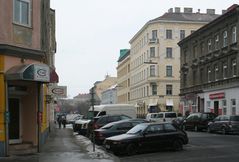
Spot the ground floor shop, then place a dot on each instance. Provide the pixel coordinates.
(223, 101)
(23, 105)
(156, 104)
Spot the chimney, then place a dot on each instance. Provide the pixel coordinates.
(224, 11)
(177, 9)
(188, 10)
(211, 11)
(170, 10)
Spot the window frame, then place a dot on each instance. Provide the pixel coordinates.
(169, 71)
(169, 89)
(225, 39)
(234, 34)
(169, 34)
(169, 52)
(29, 15)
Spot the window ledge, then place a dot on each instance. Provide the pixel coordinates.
(22, 25)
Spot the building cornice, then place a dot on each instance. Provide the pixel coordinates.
(21, 52)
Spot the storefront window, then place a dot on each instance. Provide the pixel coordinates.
(224, 107)
(233, 107)
(208, 106)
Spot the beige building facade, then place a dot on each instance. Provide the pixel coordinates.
(155, 59)
(123, 77)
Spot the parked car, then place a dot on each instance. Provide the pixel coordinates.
(147, 136)
(101, 110)
(198, 121)
(73, 120)
(161, 116)
(103, 120)
(115, 128)
(224, 124)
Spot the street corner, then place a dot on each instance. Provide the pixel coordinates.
(99, 154)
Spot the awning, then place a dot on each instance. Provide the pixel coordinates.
(53, 76)
(29, 72)
(153, 104)
(169, 102)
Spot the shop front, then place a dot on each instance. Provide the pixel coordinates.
(222, 102)
(24, 107)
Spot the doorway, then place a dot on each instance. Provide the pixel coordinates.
(216, 105)
(14, 122)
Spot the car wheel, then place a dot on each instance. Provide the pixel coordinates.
(131, 149)
(178, 145)
(195, 128)
(223, 130)
(183, 127)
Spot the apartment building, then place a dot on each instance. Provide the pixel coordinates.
(155, 59)
(210, 68)
(123, 77)
(25, 31)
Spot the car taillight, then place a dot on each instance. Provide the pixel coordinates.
(98, 134)
(96, 126)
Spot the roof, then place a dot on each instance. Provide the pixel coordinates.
(197, 17)
(179, 17)
(123, 54)
(220, 19)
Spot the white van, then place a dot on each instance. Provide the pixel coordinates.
(112, 109)
(161, 116)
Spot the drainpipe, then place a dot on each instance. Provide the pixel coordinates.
(6, 122)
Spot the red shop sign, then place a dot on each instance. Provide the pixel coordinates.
(217, 95)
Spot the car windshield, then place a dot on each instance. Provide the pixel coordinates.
(234, 118)
(137, 129)
(92, 114)
(108, 126)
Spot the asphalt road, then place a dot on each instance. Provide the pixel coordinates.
(202, 147)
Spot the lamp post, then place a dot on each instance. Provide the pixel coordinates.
(92, 92)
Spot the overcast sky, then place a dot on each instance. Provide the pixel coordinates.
(90, 34)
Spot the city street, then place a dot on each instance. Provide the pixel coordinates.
(202, 147)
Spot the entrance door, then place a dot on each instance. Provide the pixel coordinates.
(216, 105)
(14, 124)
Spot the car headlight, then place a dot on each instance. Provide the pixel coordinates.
(116, 142)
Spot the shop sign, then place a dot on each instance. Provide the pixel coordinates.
(41, 73)
(58, 91)
(217, 95)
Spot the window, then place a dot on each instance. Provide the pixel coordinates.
(169, 71)
(224, 38)
(154, 89)
(234, 34)
(182, 34)
(154, 34)
(169, 89)
(224, 107)
(209, 74)
(233, 106)
(208, 106)
(201, 75)
(169, 34)
(194, 51)
(202, 48)
(152, 70)
(169, 128)
(216, 72)
(21, 12)
(169, 52)
(209, 45)
(234, 67)
(216, 42)
(194, 77)
(185, 79)
(152, 52)
(224, 70)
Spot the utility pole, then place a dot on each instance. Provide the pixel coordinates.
(92, 92)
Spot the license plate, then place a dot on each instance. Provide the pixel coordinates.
(107, 146)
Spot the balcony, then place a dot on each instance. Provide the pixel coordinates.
(153, 78)
(153, 41)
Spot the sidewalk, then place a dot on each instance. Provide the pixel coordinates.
(65, 146)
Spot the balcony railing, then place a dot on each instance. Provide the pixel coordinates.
(154, 40)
